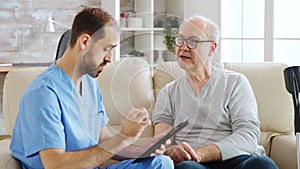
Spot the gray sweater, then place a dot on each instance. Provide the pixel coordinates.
(224, 113)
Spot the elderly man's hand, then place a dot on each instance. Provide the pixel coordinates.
(182, 152)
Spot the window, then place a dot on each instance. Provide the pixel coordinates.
(260, 30)
(287, 31)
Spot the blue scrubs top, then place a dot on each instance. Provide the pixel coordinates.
(52, 114)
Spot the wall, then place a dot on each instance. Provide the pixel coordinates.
(22, 29)
(211, 9)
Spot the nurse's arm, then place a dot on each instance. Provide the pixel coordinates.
(87, 158)
(132, 151)
(134, 122)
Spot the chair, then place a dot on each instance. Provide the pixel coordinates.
(63, 44)
(292, 81)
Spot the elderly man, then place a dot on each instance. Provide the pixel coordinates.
(224, 126)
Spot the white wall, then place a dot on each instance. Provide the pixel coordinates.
(22, 29)
(208, 8)
(22, 34)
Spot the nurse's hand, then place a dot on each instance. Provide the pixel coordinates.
(160, 150)
(134, 122)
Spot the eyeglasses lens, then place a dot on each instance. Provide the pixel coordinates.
(190, 42)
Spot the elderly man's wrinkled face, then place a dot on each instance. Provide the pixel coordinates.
(191, 53)
(99, 52)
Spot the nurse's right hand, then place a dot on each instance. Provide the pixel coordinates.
(134, 122)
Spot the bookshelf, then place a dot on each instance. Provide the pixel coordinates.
(148, 37)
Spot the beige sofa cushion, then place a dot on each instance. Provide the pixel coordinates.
(275, 106)
(126, 84)
(283, 151)
(17, 80)
(274, 102)
(165, 73)
(6, 159)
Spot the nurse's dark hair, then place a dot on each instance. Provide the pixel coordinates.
(88, 21)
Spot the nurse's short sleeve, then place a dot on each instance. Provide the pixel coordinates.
(104, 119)
(44, 129)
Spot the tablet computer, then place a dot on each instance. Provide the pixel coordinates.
(171, 133)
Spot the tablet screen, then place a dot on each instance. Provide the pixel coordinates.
(171, 133)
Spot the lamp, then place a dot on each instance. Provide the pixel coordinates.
(50, 25)
(292, 82)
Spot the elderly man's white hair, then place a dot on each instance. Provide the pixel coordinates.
(212, 29)
(212, 32)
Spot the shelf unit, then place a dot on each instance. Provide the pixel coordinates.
(149, 38)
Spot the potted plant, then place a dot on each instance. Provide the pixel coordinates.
(171, 25)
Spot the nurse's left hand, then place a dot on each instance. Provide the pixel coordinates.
(151, 142)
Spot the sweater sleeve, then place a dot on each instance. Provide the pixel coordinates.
(162, 112)
(245, 124)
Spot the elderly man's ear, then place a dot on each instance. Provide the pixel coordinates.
(213, 47)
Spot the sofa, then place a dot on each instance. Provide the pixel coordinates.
(131, 82)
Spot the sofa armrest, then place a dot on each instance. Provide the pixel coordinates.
(283, 151)
(7, 161)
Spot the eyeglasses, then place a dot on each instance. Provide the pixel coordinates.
(191, 43)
